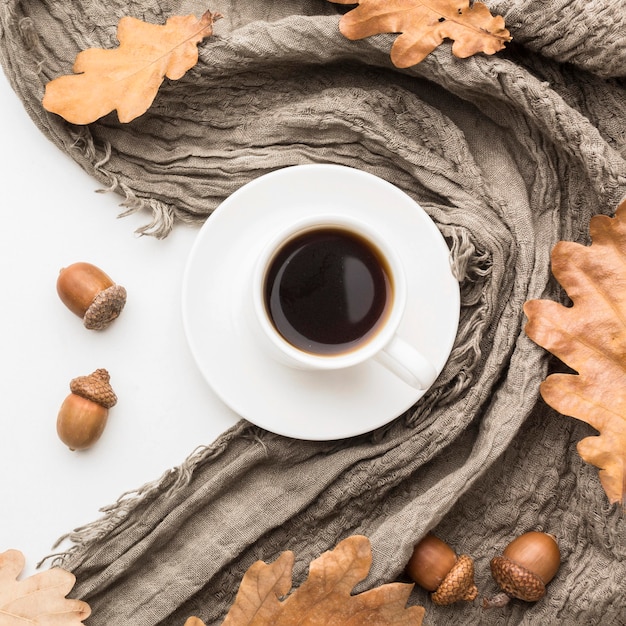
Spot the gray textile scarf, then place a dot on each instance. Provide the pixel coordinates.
(507, 153)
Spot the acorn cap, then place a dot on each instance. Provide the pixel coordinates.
(458, 584)
(95, 387)
(106, 307)
(517, 581)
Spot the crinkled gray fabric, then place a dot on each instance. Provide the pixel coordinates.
(508, 154)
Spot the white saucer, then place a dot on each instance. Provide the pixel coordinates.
(297, 403)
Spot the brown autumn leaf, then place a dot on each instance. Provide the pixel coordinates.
(324, 598)
(127, 78)
(39, 599)
(590, 337)
(424, 24)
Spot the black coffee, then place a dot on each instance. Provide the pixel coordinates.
(327, 291)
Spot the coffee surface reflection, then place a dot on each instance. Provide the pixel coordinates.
(327, 290)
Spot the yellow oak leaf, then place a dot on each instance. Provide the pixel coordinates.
(39, 599)
(324, 598)
(127, 78)
(590, 337)
(424, 25)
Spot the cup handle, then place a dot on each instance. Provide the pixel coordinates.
(407, 363)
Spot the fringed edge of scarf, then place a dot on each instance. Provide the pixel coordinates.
(169, 483)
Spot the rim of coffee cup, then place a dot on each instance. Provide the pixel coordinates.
(303, 359)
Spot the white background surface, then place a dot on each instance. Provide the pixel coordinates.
(51, 217)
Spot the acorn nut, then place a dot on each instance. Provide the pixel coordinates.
(89, 293)
(83, 414)
(525, 567)
(435, 566)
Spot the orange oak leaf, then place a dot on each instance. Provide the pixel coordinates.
(324, 598)
(39, 599)
(127, 78)
(590, 337)
(424, 24)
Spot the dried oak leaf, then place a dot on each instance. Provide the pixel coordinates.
(39, 599)
(324, 598)
(590, 337)
(127, 78)
(424, 24)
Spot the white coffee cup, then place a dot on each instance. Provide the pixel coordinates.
(381, 341)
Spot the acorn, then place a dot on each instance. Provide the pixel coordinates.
(92, 295)
(525, 567)
(435, 566)
(84, 413)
